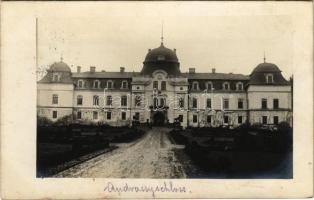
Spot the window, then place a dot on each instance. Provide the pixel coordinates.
(163, 85)
(123, 115)
(226, 104)
(226, 86)
(180, 118)
(95, 100)
(194, 118)
(209, 85)
(276, 120)
(54, 99)
(162, 102)
(109, 101)
(269, 78)
(80, 83)
(79, 115)
(264, 103)
(79, 100)
(95, 115)
(194, 103)
(124, 85)
(195, 86)
(137, 116)
(155, 102)
(240, 119)
(209, 119)
(109, 84)
(226, 119)
(124, 101)
(96, 84)
(138, 100)
(239, 86)
(181, 102)
(181, 88)
(54, 114)
(56, 77)
(264, 120)
(276, 103)
(240, 103)
(155, 85)
(108, 115)
(208, 103)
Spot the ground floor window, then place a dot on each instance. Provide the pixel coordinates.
(194, 118)
(226, 119)
(108, 115)
(209, 119)
(240, 119)
(136, 116)
(95, 115)
(180, 118)
(276, 120)
(54, 114)
(79, 115)
(123, 115)
(264, 120)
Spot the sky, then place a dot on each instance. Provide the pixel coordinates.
(229, 43)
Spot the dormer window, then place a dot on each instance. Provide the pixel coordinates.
(195, 85)
(124, 85)
(109, 84)
(96, 84)
(269, 78)
(209, 86)
(80, 83)
(240, 86)
(161, 57)
(226, 86)
(56, 77)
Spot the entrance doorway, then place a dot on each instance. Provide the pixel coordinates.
(159, 118)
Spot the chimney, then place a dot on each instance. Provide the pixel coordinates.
(213, 70)
(175, 50)
(92, 69)
(78, 69)
(122, 69)
(191, 70)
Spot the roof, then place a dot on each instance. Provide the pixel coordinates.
(216, 76)
(258, 76)
(105, 74)
(60, 67)
(161, 54)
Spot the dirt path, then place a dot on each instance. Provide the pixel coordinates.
(149, 157)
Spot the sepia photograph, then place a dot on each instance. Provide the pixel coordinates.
(176, 103)
(172, 100)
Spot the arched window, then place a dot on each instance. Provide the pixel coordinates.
(155, 102)
(209, 85)
(124, 101)
(195, 85)
(95, 100)
(79, 100)
(109, 84)
(124, 85)
(162, 102)
(239, 86)
(96, 84)
(269, 78)
(226, 86)
(155, 85)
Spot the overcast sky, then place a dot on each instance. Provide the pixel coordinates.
(228, 43)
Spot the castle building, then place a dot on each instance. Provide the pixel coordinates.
(162, 94)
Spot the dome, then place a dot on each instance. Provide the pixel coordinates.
(161, 58)
(161, 54)
(60, 67)
(266, 67)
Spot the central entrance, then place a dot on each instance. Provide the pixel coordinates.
(159, 118)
